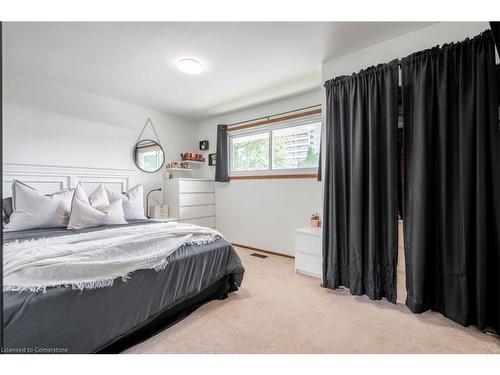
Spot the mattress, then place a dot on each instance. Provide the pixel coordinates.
(63, 320)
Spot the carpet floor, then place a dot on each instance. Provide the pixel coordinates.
(279, 311)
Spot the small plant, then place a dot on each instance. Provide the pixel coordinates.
(315, 220)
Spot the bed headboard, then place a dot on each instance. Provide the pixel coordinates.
(51, 178)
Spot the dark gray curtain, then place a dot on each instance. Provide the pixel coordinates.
(221, 164)
(360, 183)
(451, 205)
(320, 172)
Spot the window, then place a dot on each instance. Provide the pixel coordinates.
(250, 152)
(276, 149)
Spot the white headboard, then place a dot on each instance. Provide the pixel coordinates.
(50, 178)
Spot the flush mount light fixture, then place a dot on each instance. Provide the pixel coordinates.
(190, 66)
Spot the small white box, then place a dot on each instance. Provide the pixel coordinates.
(159, 211)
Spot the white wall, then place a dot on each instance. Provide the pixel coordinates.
(45, 123)
(263, 213)
(401, 46)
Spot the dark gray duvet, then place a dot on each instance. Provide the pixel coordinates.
(63, 320)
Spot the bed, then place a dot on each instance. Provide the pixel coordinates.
(110, 319)
(63, 320)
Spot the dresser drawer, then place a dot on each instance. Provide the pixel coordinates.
(308, 264)
(204, 221)
(308, 244)
(196, 186)
(196, 211)
(196, 199)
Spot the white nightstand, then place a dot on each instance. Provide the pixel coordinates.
(308, 251)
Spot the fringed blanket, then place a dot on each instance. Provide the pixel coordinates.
(93, 260)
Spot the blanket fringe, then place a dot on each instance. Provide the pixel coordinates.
(204, 241)
(89, 285)
(81, 286)
(161, 266)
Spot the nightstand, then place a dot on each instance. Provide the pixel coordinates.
(308, 251)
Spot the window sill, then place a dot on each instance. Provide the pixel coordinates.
(274, 176)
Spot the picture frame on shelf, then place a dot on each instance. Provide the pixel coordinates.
(212, 159)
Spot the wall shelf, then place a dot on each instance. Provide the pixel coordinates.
(178, 169)
(185, 163)
(191, 162)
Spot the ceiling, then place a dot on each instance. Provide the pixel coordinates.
(245, 63)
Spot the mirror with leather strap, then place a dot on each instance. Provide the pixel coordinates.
(148, 154)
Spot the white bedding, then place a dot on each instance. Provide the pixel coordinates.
(93, 260)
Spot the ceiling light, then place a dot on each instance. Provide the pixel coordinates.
(190, 66)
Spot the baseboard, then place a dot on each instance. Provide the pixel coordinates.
(262, 250)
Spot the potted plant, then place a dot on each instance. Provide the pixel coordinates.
(315, 220)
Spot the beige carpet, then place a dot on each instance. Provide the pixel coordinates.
(279, 311)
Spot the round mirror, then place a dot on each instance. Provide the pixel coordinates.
(148, 156)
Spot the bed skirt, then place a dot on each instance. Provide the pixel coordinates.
(170, 316)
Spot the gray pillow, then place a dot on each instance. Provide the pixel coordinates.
(7, 209)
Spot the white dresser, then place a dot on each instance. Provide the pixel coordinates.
(308, 251)
(191, 200)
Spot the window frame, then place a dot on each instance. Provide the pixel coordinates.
(269, 129)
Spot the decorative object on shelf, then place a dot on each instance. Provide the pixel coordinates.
(181, 166)
(148, 154)
(212, 159)
(172, 165)
(204, 145)
(315, 220)
(147, 202)
(192, 156)
(178, 165)
(160, 211)
(185, 164)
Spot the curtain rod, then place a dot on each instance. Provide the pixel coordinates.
(277, 114)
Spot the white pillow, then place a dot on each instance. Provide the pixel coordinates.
(98, 199)
(133, 202)
(33, 210)
(84, 215)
